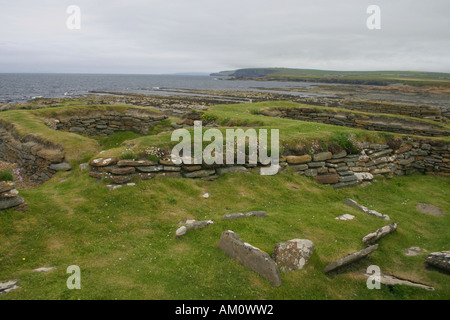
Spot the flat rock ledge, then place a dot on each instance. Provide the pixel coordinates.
(350, 258)
(232, 216)
(379, 233)
(354, 204)
(250, 257)
(192, 225)
(293, 254)
(7, 286)
(439, 260)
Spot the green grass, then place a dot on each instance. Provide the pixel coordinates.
(6, 175)
(124, 242)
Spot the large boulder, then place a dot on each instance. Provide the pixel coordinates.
(440, 260)
(7, 203)
(250, 256)
(293, 254)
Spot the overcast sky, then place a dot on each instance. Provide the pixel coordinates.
(169, 36)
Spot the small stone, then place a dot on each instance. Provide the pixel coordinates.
(327, 178)
(322, 156)
(181, 231)
(52, 155)
(103, 162)
(63, 166)
(345, 217)
(414, 251)
(232, 169)
(298, 159)
(44, 269)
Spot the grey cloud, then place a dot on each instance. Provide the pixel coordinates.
(160, 36)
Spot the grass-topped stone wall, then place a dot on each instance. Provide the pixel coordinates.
(138, 120)
(35, 141)
(350, 162)
(361, 120)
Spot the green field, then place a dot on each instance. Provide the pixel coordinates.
(124, 240)
(124, 243)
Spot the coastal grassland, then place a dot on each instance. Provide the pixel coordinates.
(416, 78)
(124, 243)
(294, 134)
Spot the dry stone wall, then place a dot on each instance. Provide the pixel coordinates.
(339, 169)
(105, 124)
(38, 160)
(361, 121)
(422, 112)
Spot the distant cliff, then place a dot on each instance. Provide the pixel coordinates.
(345, 77)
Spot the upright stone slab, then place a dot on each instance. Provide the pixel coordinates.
(250, 256)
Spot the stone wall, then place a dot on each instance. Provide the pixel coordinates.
(422, 112)
(39, 160)
(361, 121)
(339, 169)
(108, 122)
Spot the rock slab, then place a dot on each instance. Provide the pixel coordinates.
(293, 254)
(350, 258)
(379, 233)
(352, 203)
(250, 257)
(7, 286)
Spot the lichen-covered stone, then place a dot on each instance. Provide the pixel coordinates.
(293, 254)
